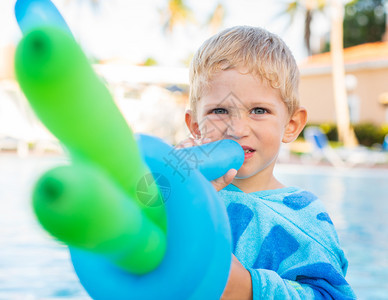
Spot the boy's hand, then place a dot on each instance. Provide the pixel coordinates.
(223, 181)
(218, 183)
(239, 286)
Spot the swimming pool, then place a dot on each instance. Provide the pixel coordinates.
(357, 201)
(33, 266)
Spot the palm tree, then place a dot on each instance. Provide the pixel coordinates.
(385, 36)
(345, 132)
(309, 8)
(217, 17)
(176, 12)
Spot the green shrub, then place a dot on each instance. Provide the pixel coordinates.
(330, 129)
(369, 134)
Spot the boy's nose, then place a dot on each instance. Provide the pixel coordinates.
(237, 128)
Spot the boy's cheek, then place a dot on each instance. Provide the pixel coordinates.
(213, 136)
(213, 131)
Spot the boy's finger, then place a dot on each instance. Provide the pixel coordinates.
(225, 180)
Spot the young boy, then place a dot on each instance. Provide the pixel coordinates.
(244, 87)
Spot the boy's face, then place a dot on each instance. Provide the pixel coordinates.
(243, 108)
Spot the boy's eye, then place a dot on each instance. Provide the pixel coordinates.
(259, 111)
(219, 111)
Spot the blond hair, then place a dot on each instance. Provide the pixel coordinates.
(254, 49)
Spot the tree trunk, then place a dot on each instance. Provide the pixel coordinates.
(345, 132)
(385, 36)
(307, 30)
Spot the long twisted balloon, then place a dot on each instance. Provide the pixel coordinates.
(107, 205)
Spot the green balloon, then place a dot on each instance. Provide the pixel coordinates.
(75, 105)
(79, 205)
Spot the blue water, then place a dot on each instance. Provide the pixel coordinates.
(34, 266)
(357, 201)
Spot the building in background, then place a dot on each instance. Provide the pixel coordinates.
(366, 68)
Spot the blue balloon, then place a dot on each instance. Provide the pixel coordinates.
(196, 264)
(209, 158)
(31, 14)
(198, 257)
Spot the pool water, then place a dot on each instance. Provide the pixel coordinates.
(357, 201)
(34, 266)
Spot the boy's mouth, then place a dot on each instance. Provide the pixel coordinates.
(248, 151)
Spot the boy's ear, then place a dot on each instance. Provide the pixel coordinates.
(295, 125)
(192, 124)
